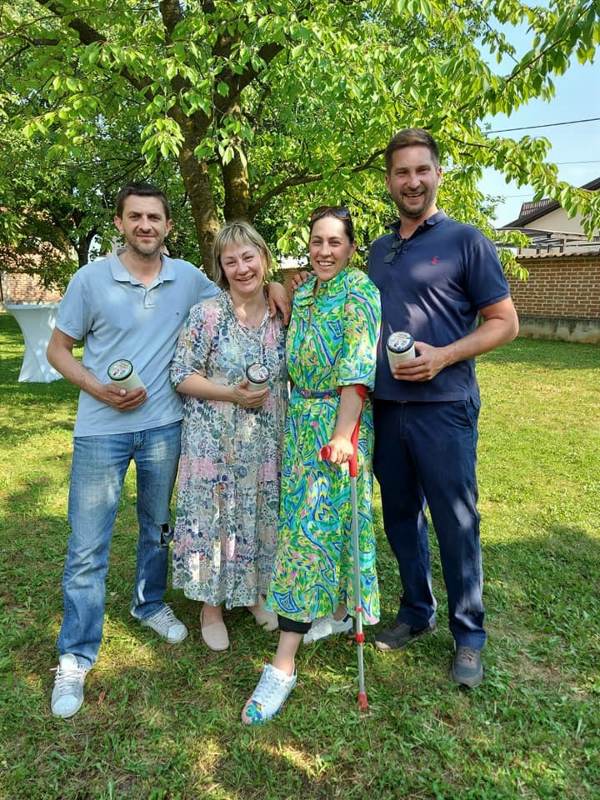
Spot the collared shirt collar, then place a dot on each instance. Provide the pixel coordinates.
(122, 274)
(429, 222)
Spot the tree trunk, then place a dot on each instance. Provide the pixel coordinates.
(83, 247)
(236, 184)
(237, 189)
(196, 179)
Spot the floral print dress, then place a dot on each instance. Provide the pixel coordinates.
(331, 342)
(229, 470)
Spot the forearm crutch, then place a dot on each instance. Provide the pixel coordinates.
(359, 636)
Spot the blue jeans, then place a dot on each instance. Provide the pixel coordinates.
(97, 475)
(425, 456)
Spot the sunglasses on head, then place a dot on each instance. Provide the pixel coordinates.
(341, 212)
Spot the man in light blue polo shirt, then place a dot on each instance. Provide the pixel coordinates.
(127, 306)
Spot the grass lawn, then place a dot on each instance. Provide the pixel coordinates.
(162, 722)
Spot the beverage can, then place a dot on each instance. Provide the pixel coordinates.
(400, 347)
(257, 375)
(123, 375)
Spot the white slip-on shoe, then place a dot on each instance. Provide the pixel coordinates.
(214, 634)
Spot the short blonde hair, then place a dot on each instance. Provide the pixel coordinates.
(238, 232)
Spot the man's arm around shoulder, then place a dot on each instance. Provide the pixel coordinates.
(60, 355)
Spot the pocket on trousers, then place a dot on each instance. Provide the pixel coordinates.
(464, 413)
(473, 407)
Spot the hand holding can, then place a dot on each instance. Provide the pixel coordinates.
(123, 375)
(400, 347)
(257, 376)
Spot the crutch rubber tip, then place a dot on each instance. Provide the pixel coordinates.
(363, 703)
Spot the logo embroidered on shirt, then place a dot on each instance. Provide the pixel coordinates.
(435, 260)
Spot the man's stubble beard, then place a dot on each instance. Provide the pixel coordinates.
(145, 256)
(429, 199)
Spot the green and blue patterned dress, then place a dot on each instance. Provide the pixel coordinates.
(331, 342)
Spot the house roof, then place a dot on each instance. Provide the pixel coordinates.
(527, 255)
(534, 210)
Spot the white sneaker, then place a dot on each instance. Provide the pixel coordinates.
(67, 694)
(327, 626)
(166, 624)
(271, 692)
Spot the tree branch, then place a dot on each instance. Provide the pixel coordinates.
(237, 83)
(541, 54)
(13, 55)
(304, 178)
(88, 35)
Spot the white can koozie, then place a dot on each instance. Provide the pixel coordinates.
(257, 376)
(400, 347)
(123, 375)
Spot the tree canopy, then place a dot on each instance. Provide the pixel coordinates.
(260, 109)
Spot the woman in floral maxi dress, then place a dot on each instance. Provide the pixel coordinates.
(228, 489)
(331, 347)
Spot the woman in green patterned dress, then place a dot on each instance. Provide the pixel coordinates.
(331, 348)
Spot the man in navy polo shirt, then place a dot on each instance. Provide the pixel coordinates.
(437, 278)
(127, 306)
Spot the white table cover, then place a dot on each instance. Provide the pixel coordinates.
(37, 323)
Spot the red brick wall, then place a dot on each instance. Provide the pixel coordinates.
(20, 288)
(565, 286)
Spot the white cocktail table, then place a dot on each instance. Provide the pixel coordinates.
(37, 323)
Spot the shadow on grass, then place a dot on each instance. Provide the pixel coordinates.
(17, 434)
(163, 721)
(48, 393)
(10, 367)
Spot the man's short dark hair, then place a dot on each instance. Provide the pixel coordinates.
(409, 137)
(141, 190)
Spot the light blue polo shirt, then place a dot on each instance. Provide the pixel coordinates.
(116, 316)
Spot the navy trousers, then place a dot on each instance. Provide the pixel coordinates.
(425, 456)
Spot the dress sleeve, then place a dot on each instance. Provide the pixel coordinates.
(195, 342)
(362, 320)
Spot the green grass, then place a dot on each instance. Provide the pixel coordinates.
(162, 722)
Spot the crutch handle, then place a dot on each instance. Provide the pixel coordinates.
(325, 451)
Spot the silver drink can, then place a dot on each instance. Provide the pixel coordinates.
(257, 376)
(400, 347)
(123, 375)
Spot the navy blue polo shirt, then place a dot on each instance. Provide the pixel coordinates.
(432, 285)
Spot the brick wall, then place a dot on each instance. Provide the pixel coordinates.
(21, 288)
(561, 286)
